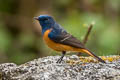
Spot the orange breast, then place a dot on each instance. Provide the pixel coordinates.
(58, 46)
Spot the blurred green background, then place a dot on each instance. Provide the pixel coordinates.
(20, 34)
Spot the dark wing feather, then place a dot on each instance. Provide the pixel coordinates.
(71, 40)
(65, 38)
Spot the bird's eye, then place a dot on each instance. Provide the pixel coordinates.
(46, 19)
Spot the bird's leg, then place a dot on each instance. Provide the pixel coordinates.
(61, 58)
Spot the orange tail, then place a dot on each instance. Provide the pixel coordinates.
(93, 55)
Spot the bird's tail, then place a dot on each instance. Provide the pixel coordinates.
(93, 55)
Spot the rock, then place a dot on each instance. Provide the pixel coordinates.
(47, 69)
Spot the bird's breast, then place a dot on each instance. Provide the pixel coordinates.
(49, 42)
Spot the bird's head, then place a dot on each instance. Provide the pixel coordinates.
(45, 21)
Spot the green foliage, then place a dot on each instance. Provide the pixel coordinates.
(5, 38)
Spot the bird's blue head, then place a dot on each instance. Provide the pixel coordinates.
(46, 22)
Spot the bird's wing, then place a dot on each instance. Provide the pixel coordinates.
(61, 36)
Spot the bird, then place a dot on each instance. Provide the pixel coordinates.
(57, 38)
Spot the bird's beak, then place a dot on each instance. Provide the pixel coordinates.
(36, 18)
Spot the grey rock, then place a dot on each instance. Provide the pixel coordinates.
(47, 69)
